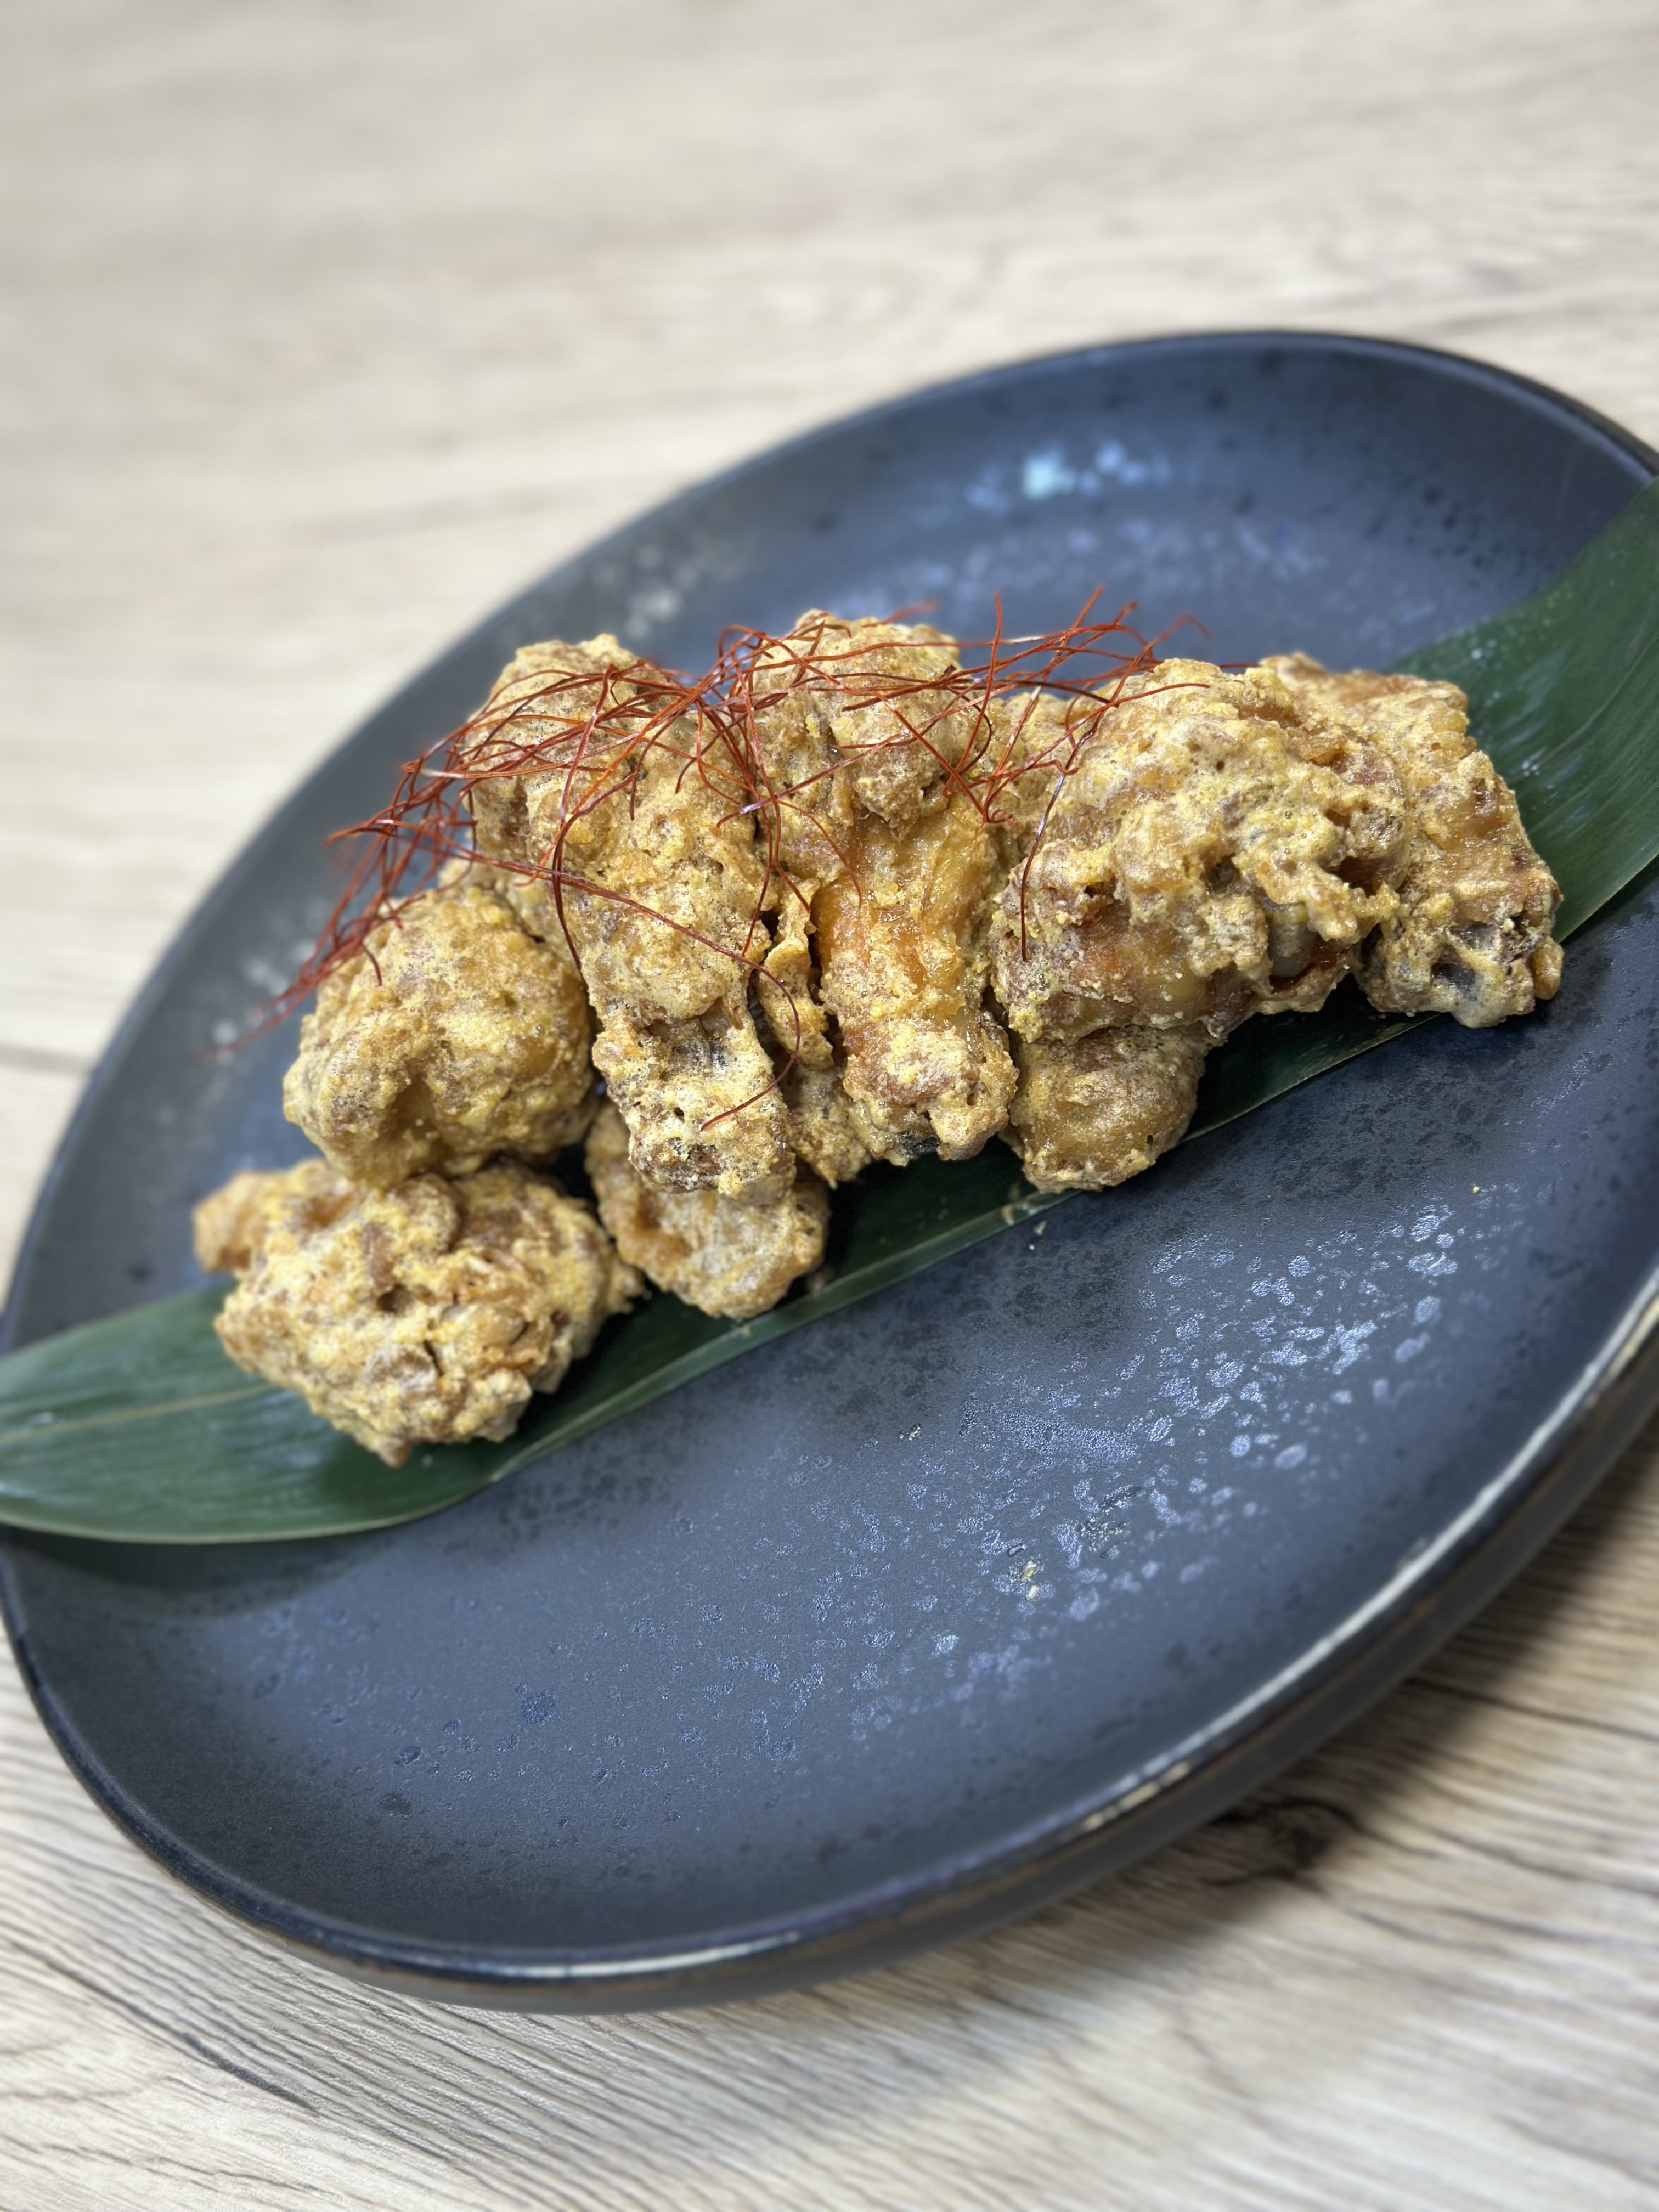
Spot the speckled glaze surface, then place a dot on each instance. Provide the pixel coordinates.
(959, 1597)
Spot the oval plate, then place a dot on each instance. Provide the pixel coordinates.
(963, 1597)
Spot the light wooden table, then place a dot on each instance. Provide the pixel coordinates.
(327, 326)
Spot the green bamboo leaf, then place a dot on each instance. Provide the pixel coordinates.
(139, 1428)
(1564, 694)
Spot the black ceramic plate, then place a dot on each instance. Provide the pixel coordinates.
(959, 1598)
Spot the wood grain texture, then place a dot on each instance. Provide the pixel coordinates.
(326, 327)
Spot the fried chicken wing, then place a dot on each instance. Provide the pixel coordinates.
(455, 1034)
(883, 866)
(726, 1256)
(591, 770)
(1470, 933)
(424, 1314)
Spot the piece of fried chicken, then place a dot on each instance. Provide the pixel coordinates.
(882, 868)
(424, 1314)
(1182, 853)
(1470, 933)
(454, 1034)
(726, 1256)
(1199, 845)
(1204, 855)
(592, 772)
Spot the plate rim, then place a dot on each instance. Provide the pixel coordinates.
(1431, 1596)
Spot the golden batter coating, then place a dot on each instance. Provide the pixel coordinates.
(594, 773)
(847, 719)
(726, 1255)
(902, 950)
(233, 1223)
(471, 1038)
(825, 1131)
(884, 868)
(1470, 935)
(1207, 855)
(1094, 1110)
(425, 1314)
